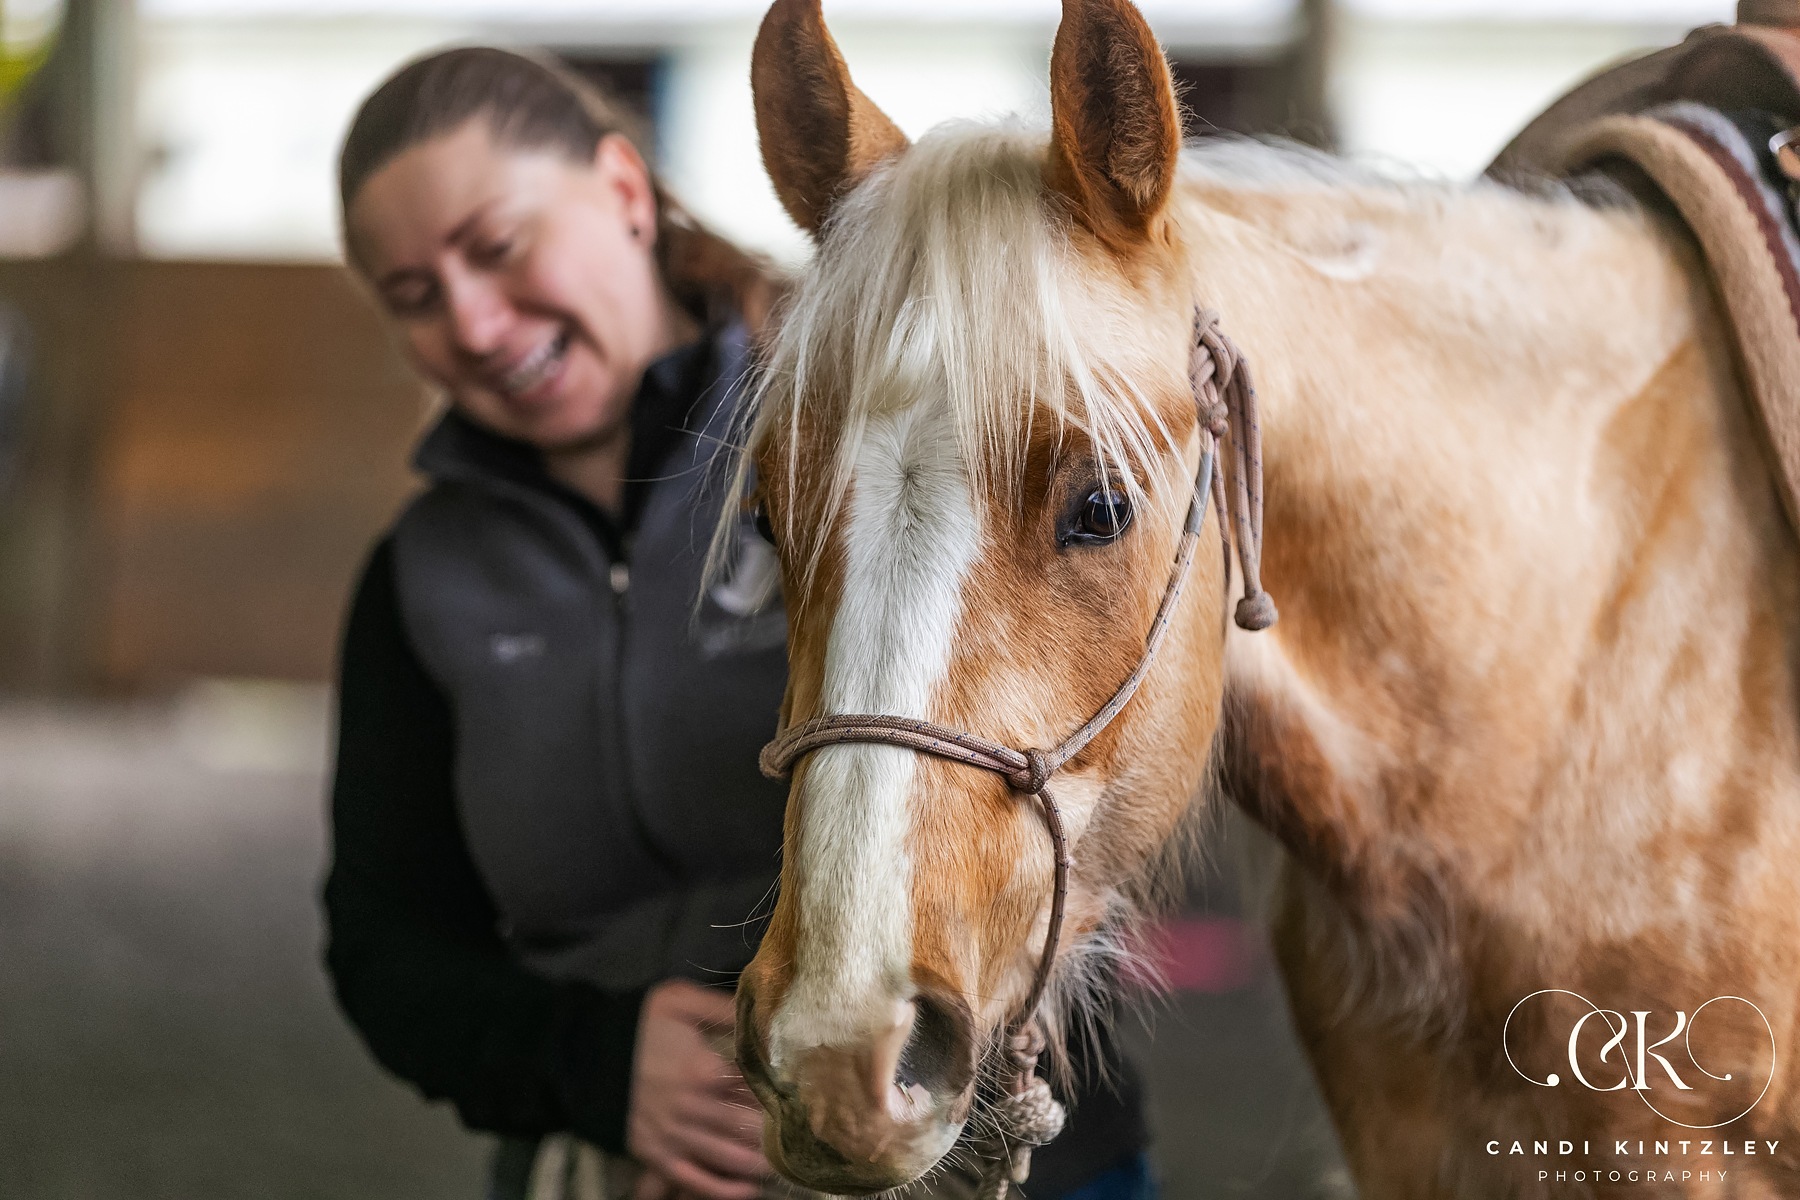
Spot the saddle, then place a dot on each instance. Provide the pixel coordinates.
(1711, 128)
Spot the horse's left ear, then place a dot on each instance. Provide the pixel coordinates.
(819, 133)
(1116, 130)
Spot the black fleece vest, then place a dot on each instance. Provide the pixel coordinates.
(606, 728)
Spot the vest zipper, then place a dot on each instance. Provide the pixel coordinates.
(618, 579)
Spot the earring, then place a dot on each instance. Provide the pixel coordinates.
(635, 233)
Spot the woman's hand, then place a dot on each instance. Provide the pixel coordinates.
(693, 1123)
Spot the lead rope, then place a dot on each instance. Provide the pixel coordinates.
(1028, 1115)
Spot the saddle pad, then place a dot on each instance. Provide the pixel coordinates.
(1710, 171)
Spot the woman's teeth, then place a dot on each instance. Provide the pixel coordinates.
(535, 368)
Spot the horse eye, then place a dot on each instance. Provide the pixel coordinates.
(763, 528)
(1104, 515)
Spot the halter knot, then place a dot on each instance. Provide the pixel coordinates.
(1256, 611)
(1033, 776)
(1215, 418)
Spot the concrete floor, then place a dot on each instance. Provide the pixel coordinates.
(166, 1030)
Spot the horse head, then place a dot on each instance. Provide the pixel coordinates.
(975, 445)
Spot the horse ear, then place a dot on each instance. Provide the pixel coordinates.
(1115, 128)
(819, 133)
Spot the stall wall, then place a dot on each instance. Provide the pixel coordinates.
(258, 442)
(213, 448)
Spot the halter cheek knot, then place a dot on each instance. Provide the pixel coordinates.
(1033, 777)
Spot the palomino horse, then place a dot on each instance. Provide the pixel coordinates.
(1528, 720)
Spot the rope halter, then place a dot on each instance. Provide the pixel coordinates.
(1028, 1115)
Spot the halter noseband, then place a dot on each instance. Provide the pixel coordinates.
(1226, 402)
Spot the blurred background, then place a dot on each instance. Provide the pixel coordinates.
(202, 427)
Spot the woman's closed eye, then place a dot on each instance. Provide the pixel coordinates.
(412, 297)
(492, 252)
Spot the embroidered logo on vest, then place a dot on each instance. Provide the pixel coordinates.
(509, 648)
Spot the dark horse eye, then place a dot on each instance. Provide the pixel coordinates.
(761, 517)
(1106, 515)
(1101, 518)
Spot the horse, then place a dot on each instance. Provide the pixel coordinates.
(1527, 731)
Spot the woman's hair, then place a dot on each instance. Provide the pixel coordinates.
(531, 104)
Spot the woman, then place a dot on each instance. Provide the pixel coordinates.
(549, 829)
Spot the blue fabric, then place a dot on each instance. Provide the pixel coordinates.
(1131, 1180)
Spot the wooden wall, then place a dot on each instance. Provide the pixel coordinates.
(217, 445)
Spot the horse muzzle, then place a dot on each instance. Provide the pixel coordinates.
(871, 1113)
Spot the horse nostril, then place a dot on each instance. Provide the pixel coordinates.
(939, 1054)
(752, 1056)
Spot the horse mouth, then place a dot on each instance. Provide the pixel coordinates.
(801, 1155)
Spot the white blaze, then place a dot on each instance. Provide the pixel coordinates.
(911, 534)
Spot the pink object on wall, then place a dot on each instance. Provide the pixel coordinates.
(1199, 954)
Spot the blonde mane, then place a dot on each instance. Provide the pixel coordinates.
(949, 272)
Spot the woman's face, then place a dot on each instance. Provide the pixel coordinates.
(520, 280)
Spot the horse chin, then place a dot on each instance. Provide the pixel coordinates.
(799, 1154)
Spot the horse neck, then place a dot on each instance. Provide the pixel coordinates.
(1500, 440)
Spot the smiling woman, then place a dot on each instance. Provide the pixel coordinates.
(486, 258)
(550, 832)
(519, 920)
(532, 264)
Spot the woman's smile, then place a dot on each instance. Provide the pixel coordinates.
(531, 380)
